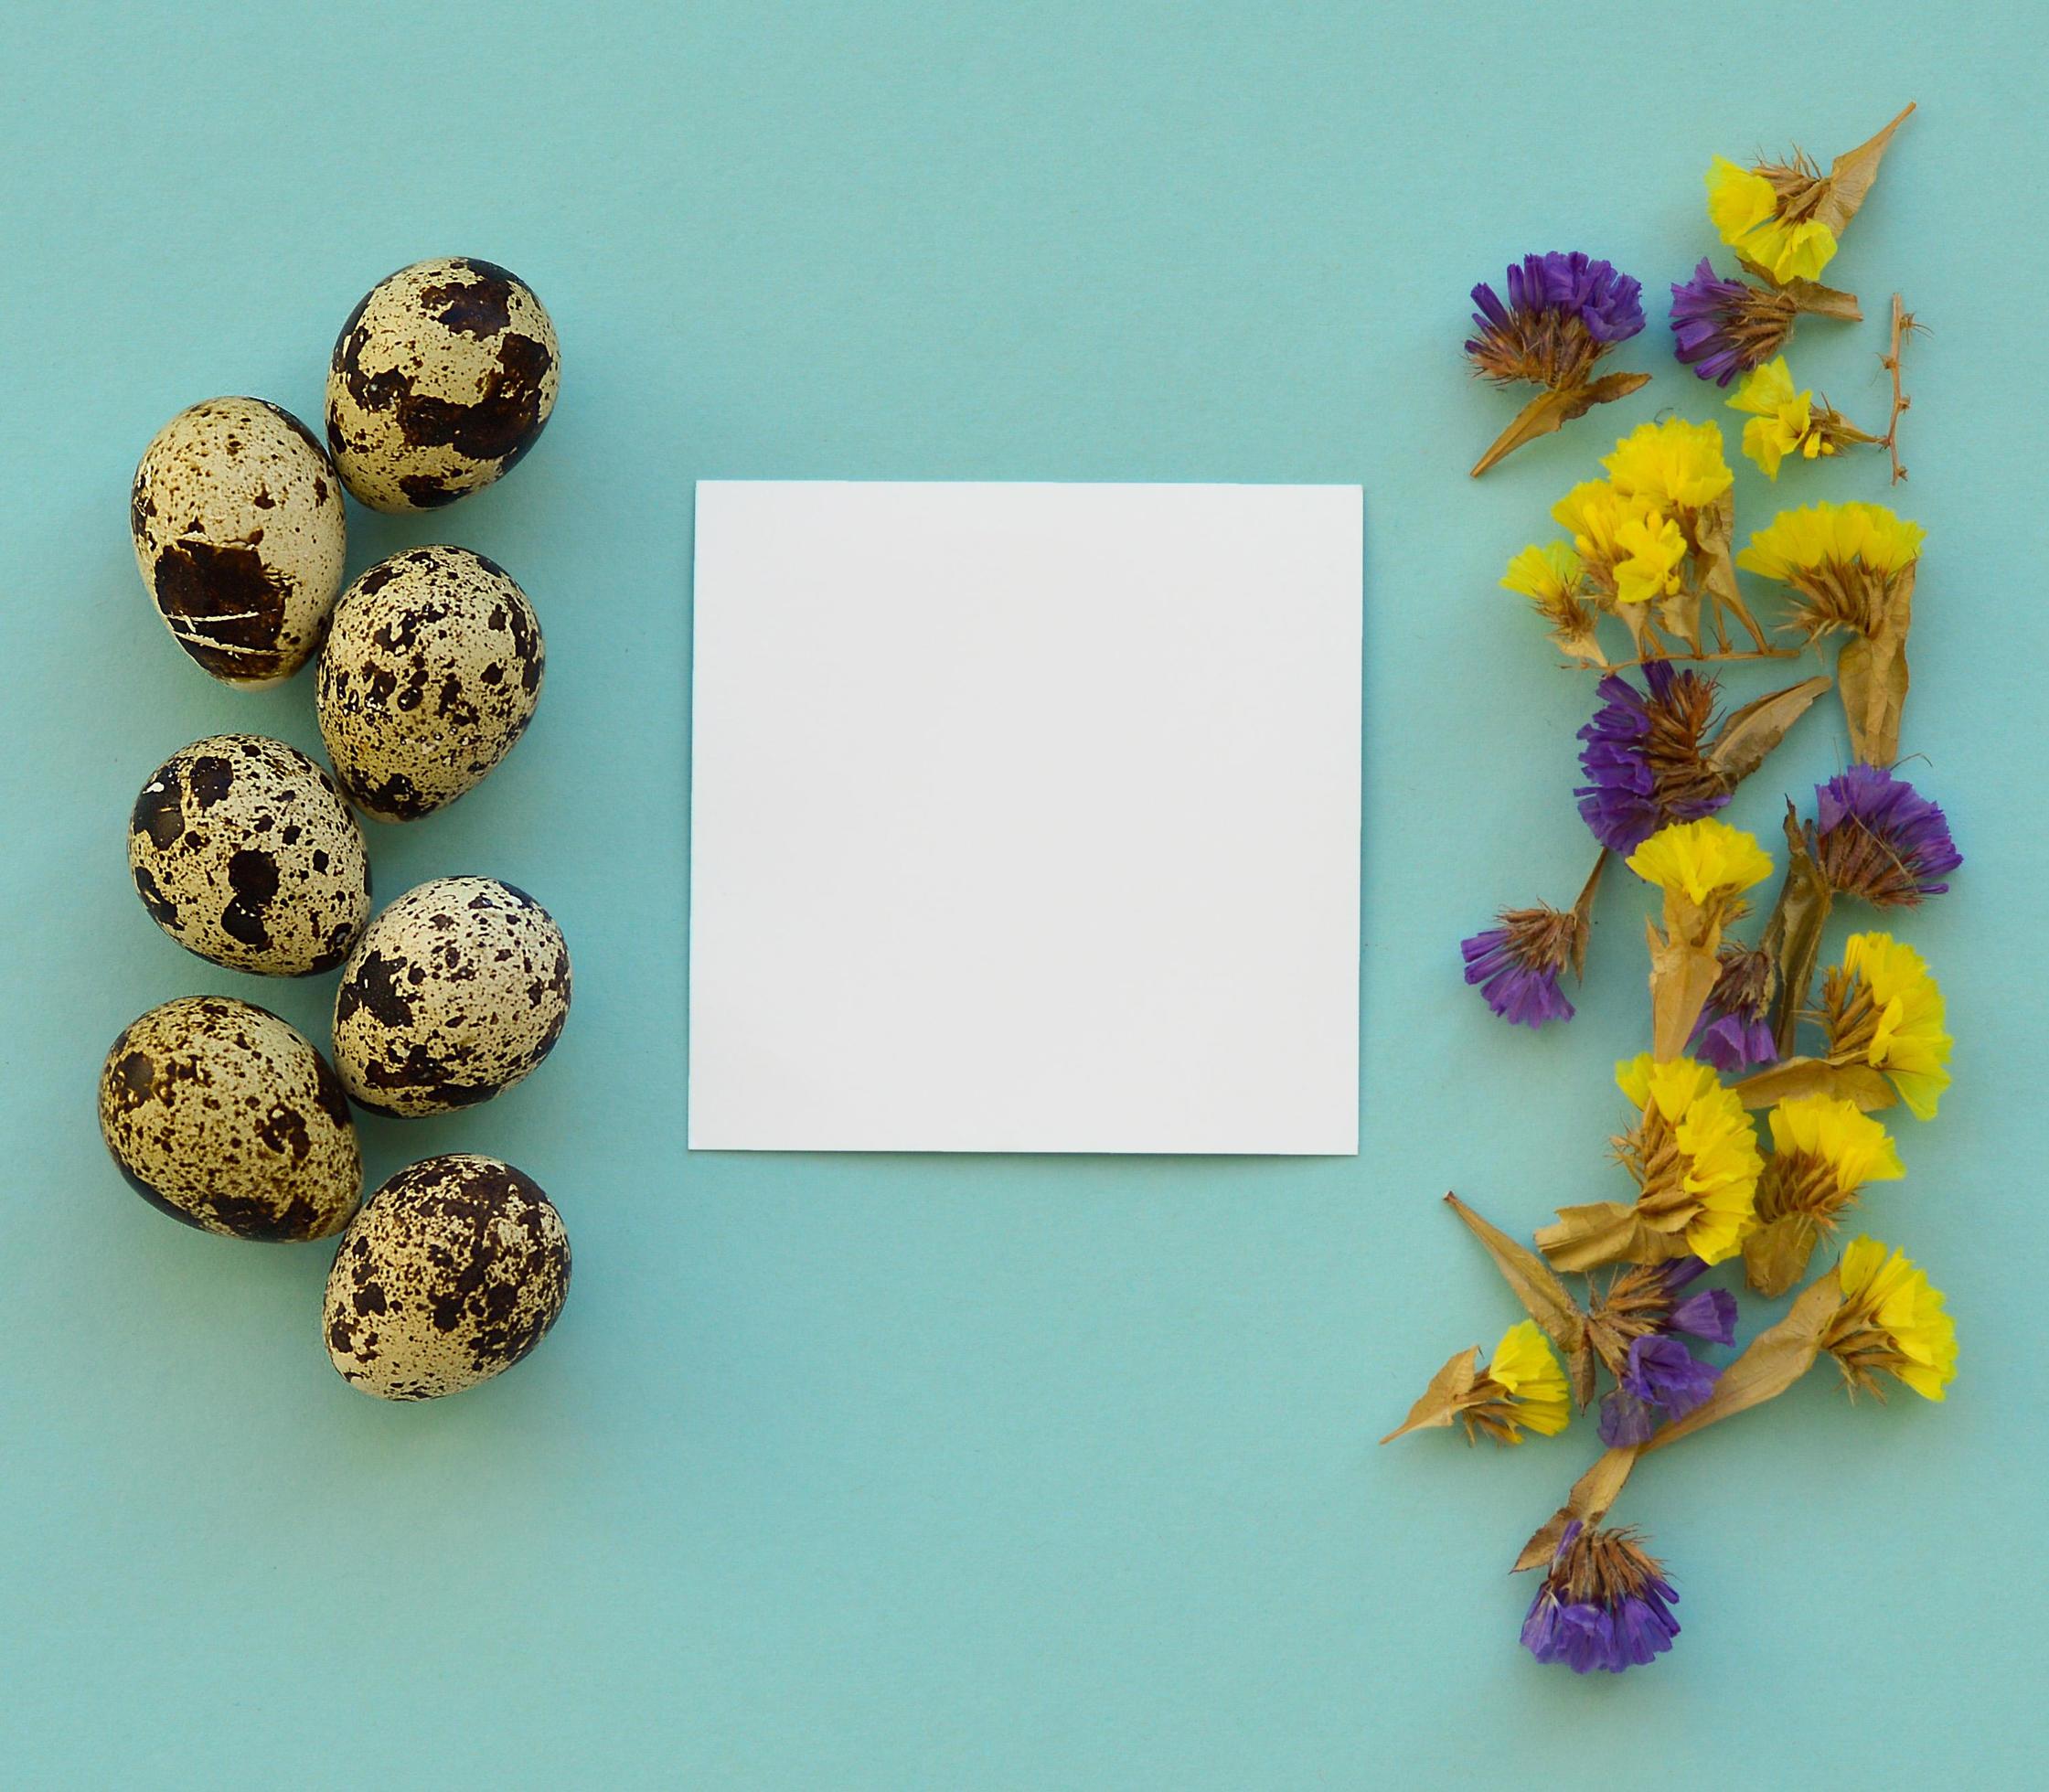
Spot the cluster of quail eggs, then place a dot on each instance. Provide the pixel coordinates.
(248, 853)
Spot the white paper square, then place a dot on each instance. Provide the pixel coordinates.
(1025, 818)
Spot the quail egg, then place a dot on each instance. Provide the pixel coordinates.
(237, 515)
(224, 1117)
(454, 993)
(244, 851)
(454, 1270)
(442, 378)
(429, 675)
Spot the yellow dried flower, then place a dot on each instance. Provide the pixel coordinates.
(1703, 860)
(1676, 464)
(1892, 1320)
(1880, 1007)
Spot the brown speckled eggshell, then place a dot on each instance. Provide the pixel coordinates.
(237, 518)
(431, 673)
(453, 1271)
(245, 853)
(441, 379)
(224, 1117)
(454, 993)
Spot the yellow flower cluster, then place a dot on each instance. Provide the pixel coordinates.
(1838, 1137)
(1532, 1381)
(1631, 528)
(1781, 420)
(1702, 860)
(1891, 1319)
(1744, 208)
(1548, 575)
(1902, 1033)
(1717, 1146)
(1675, 465)
(1819, 537)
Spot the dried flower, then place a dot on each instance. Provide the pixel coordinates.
(1604, 1603)
(1517, 962)
(1784, 421)
(1839, 558)
(1693, 1157)
(1880, 1006)
(1646, 757)
(1784, 218)
(1551, 576)
(1745, 209)
(1564, 313)
(1633, 1328)
(1823, 1152)
(1676, 464)
(1850, 567)
(1723, 327)
(1891, 1320)
(1630, 550)
(1878, 838)
(1734, 1032)
(1523, 1388)
(1703, 868)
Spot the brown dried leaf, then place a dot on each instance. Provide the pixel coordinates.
(1544, 1297)
(1551, 411)
(1819, 301)
(1851, 176)
(1741, 741)
(1713, 533)
(1775, 1359)
(1870, 673)
(1592, 1497)
(1815, 1076)
(1804, 903)
(1440, 1400)
(1682, 977)
(1775, 1255)
(1607, 1231)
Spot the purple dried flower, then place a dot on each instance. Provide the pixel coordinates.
(1733, 1033)
(1518, 963)
(1658, 1377)
(1564, 313)
(1604, 1603)
(1644, 757)
(1723, 327)
(1877, 837)
(1663, 1372)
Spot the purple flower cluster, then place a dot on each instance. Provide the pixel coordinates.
(1604, 1604)
(1876, 836)
(1706, 314)
(1518, 963)
(1733, 1033)
(1662, 1379)
(1607, 303)
(1641, 756)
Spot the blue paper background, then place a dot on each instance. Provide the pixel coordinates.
(898, 1471)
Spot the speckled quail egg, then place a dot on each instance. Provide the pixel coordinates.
(454, 993)
(429, 675)
(246, 854)
(237, 515)
(442, 378)
(453, 1271)
(226, 1118)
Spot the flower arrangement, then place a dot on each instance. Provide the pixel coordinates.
(1744, 1020)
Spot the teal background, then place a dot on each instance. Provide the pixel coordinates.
(1008, 1472)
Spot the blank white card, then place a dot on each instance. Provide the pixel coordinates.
(1025, 818)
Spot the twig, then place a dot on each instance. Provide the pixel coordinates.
(1903, 326)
